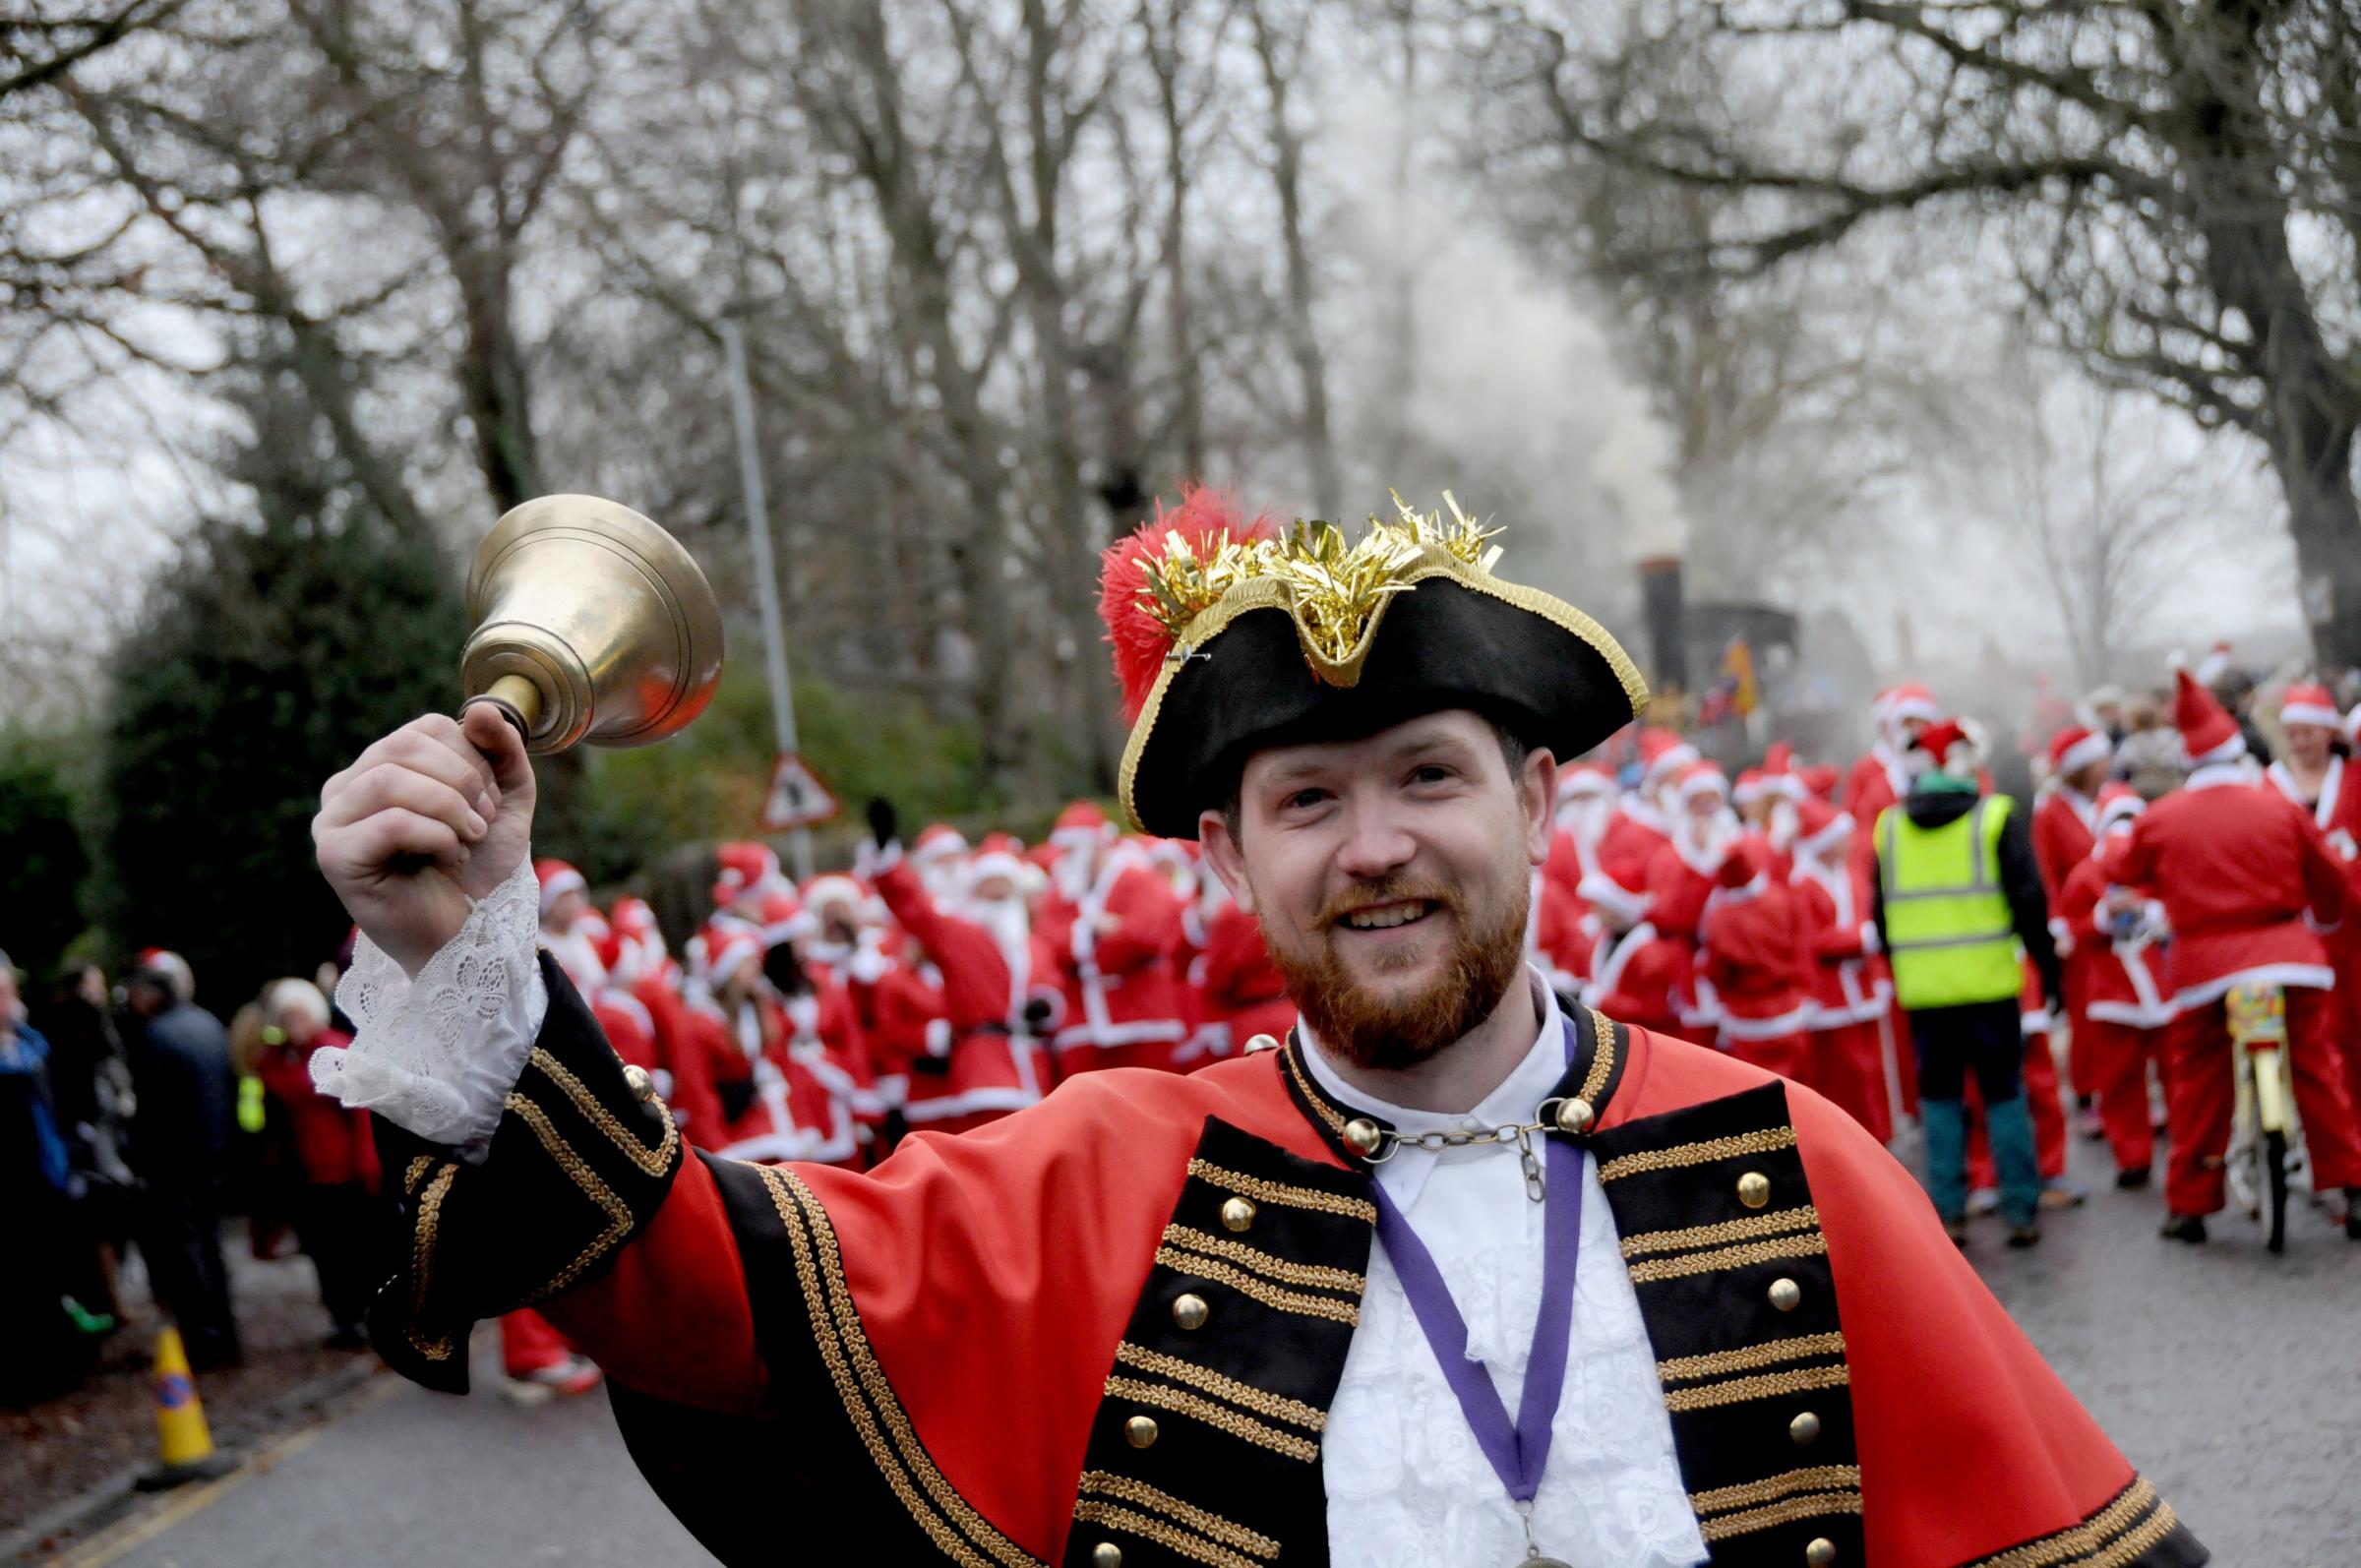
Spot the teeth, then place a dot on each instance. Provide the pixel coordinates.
(1387, 918)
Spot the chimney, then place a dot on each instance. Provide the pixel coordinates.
(1661, 602)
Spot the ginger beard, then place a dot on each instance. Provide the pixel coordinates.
(1387, 1030)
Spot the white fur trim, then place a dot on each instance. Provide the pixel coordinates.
(2307, 714)
(2084, 752)
(1793, 1021)
(2301, 977)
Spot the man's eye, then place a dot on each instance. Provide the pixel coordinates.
(1431, 773)
(1304, 799)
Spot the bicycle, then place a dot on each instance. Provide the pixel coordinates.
(2265, 1158)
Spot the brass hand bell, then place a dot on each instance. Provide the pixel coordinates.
(592, 624)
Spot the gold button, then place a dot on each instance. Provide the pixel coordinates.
(1261, 1042)
(1189, 1311)
(1803, 1429)
(1106, 1554)
(1821, 1552)
(1754, 1189)
(641, 1084)
(1574, 1115)
(1786, 1295)
(1237, 1213)
(1362, 1135)
(1140, 1430)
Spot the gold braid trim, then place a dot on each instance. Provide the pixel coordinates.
(1263, 1192)
(419, 1166)
(1318, 1275)
(1140, 1493)
(1603, 1058)
(1771, 1385)
(1216, 1416)
(1684, 1368)
(1164, 1535)
(1261, 1401)
(2095, 1534)
(1847, 1477)
(1206, 1268)
(1815, 1506)
(2135, 1545)
(1682, 1154)
(861, 1383)
(654, 1161)
(619, 1213)
(1319, 1101)
(1806, 1218)
(422, 1253)
(1729, 1257)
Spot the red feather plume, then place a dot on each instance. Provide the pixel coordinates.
(1206, 517)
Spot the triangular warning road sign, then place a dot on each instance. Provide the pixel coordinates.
(797, 798)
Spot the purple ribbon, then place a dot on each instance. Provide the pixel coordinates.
(1521, 1452)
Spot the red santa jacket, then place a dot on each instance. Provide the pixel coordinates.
(2336, 810)
(1832, 910)
(979, 1352)
(1756, 956)
(2062, 836)
(2118, 979)
(1872, 785)
(1241, 987)
(991, 1064)
(1125, 1006)
(1641, 976)
(1634, 835)
(2246, 881)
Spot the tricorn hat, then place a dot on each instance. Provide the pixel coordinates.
(1230, 636)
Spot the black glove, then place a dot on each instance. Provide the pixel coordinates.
(1037, 1015)
(884, 825)
(786, 972)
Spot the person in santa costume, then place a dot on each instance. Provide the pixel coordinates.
(2247, 882)
(1643, 817)
(2318, 775)
(1882, 775)
(1849, 993)
(1264, 1312)
(1636, 974)
(1753, 952)
(2110, 938)
(1681, 878)
(1117, 923)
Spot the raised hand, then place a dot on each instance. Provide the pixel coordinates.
(424, 822)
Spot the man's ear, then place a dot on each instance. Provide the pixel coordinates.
(1536, 789)
(1223, 853)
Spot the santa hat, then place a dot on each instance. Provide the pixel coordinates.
(726, 948)
(997, 856)
(939, 841)
(747, 866)
(833, 890)
(1909, 701)
(1620, 890)
(635, 918)
(2118, 804)
(1082, 822)
(2215, 665)
(1701, 778)
(2074, 747)
(168, 969)
(2208, 732)
(1662, 752)
(556, 879)
(1820, 780)
(1751, 786)
(1821, 829)
(1585, 780)
(1779, 772)
(2306, 704)
(1946, 744)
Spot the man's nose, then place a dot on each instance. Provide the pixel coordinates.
(1376, 843)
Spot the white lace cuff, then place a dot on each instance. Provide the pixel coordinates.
(437, 1055)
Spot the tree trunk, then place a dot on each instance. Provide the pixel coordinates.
(1302, 340)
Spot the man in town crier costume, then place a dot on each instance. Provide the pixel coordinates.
(1449, 1274)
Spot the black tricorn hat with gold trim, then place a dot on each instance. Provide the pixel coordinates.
(1230, 636)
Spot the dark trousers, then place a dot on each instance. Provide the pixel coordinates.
(1985, 1039)
(181, 1236)
(339, 1229)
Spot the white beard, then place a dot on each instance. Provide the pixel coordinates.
(1586, 818)
(1011, 930)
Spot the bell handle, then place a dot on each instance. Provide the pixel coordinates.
(517, 697)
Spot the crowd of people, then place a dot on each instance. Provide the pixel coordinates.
(1770, 914)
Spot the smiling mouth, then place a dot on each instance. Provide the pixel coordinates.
(1386, 917)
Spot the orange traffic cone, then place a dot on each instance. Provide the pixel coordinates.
(183, 1444)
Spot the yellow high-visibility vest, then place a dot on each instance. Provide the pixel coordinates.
(1947, 929)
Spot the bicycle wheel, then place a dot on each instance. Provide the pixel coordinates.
(2274, 1182)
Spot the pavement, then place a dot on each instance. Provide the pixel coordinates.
(2231, 1378)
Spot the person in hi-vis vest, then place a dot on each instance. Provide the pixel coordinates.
(1958, 900)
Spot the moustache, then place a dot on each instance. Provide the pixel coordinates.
(1385, 891)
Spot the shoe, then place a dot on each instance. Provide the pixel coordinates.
(2189, 1227)
(561, 1380)
(2133, 1178)
(1957, 1229)
(2063, 1194)
(2021, 1236)
(1984, 1200)
(2087, 1124)
(2353, 1213)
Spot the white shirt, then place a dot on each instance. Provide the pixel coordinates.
(1408, 1484)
